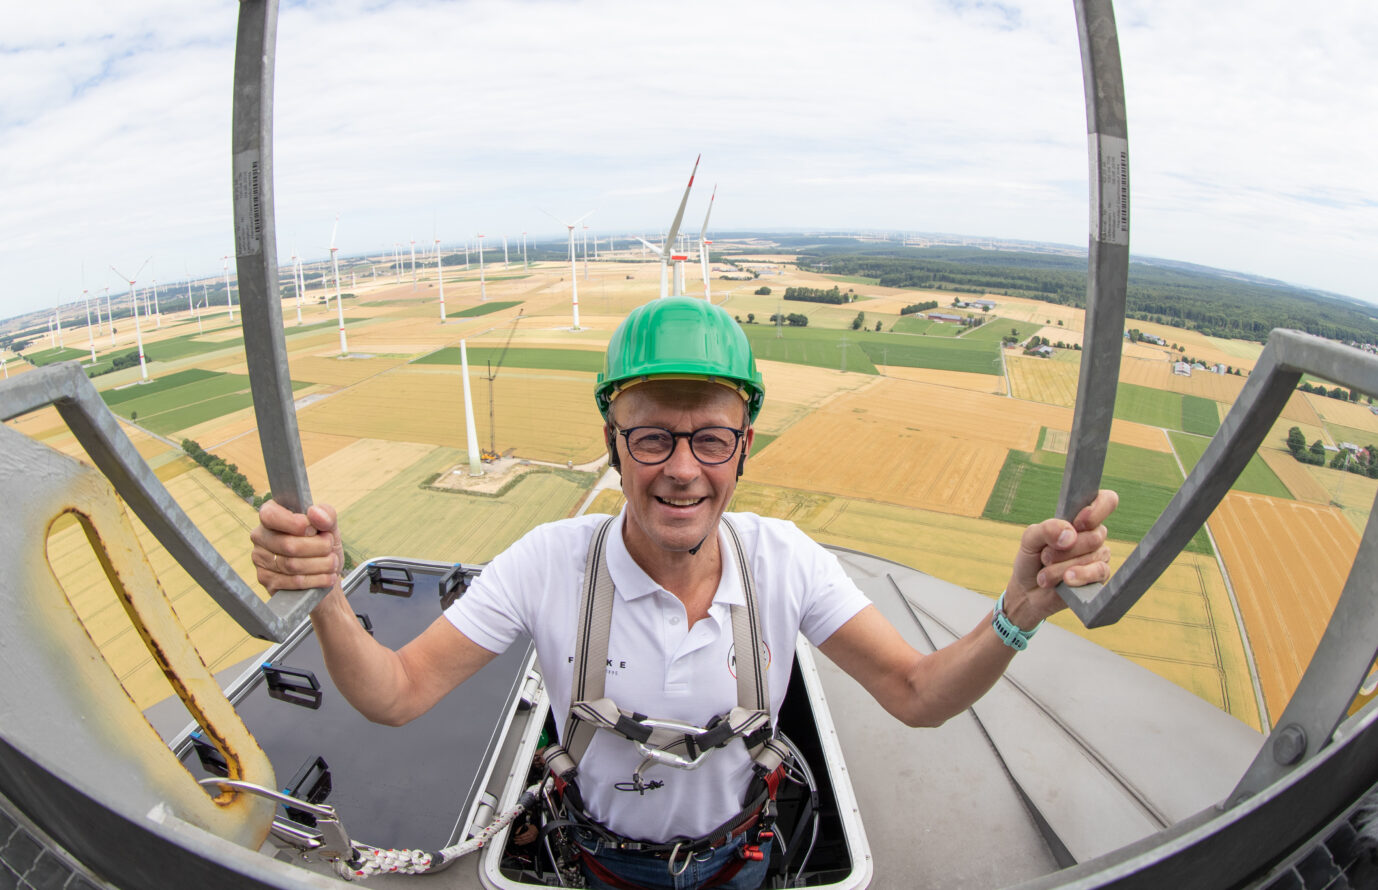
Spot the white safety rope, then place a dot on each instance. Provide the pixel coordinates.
(369, 861)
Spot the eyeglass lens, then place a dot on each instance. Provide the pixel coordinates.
(711, 444)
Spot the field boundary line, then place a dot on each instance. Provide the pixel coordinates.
(1263, 718)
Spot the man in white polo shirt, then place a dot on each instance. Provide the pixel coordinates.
(684, 589)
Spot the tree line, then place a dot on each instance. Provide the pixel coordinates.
(1176, 295)
(226, 472)
(818, 295)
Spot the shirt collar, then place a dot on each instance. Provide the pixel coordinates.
(632, 582)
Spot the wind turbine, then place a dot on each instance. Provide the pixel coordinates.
(703, 246)
(504, 251)
(109, 316)
(59, 322)
(138, 334)
(586, 251)
(482, 284)
(297, 282)
(339, 304)
(525, 267)
(413, 264)
(229, 304)
(440, 278)
(90, 334)
(157, 312)
(665, 251)
(573, 262)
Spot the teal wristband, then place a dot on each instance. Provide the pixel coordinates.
(1011, 636)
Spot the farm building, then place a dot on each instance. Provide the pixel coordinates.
(943, 316)
(1181, 368)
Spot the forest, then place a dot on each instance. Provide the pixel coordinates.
(1176, 294)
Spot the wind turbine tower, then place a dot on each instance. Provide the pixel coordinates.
(297, 282)
(90, 334)
(229, 304)
(109, 316)
(704, 243)
(504, 251)
(413, 265)
(573, 263)
(586, 251)
(525, 267)
(475, 462)
(482, 283)
(339, 303)
(440, 282)
(59, 322)
(157, 310)
(134, 302)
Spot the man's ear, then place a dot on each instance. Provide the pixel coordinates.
(610, 439)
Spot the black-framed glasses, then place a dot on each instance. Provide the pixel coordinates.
(710, 445)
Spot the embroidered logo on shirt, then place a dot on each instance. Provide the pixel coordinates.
(614, 665)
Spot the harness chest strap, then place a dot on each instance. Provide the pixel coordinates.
(591, 710)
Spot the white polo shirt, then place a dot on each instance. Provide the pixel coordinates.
(656, 664)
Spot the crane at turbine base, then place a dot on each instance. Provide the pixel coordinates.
(490, 454)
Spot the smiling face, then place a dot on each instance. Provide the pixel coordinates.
(674, 506)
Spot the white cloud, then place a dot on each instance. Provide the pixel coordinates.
(1250, 131)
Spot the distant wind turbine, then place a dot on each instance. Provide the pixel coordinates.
(665, 251)
(704, 242)
(90, 334)
(573, 262)
(229, 304)
(504, 251)
(133, 301)
(525, 266)
(339, 303)
(440, 278)
(109, 316)
(482, 283)
(413, 264)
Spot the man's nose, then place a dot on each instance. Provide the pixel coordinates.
(682, 463)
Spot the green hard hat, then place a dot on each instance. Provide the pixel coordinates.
(680, 337)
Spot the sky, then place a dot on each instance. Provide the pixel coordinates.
(1252, 129)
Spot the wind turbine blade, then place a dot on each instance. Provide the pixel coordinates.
(654, 249)
(704, 230)
(585, 216)
(679, 214)
(333, 231)
(556, 218)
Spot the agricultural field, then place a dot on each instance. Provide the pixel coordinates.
(918, 324)
(520, 357)
(1352, 494)
(1027, 491)
(1149, 406)
(1183, 629)
(540, 415)
(405, 518)
(1038, 380)
(987, 383)
(1257, 477)
(995, 329)
(1295, 476)
(483, 308)
(1288, 563)
(1157, 374)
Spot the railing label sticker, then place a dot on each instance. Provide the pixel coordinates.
(248, 204)
(1110, 181)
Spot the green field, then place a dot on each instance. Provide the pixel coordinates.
(1352, 435)
(520, 357)
(183, 399)
(917, 324)
(57, 354)
(1026, 492)
(852, 279)
(404, 517)
(823, 348)
(1257, 477)
(1155, 407)
(162, 384)
(819, 347)
(761, 440)
(486, 308)
(1126, 462)
(996, 329)
(1200, 416)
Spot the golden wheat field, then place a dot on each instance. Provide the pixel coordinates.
(1039, 380)
(1349, 414)
(1295, 475)
(988, 383)
(541, 415)
(1287, 562)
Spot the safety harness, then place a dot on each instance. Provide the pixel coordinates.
(658, 740)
